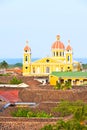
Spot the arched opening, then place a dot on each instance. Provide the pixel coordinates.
(33, 69)
(38, 70)
(56, 53)
(26, 58)
(47, 70)
(68, 58)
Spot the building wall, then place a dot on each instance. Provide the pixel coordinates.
(74, 80)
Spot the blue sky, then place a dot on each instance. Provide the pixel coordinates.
(39, 21)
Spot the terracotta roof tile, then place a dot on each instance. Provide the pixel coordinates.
(58, 45)
(27, 48)
(68, 48)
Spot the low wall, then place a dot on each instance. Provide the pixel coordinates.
(53, 95)
(24, 123)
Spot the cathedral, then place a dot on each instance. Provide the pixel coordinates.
(61, 60)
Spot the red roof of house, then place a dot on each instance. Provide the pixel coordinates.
(10, 95)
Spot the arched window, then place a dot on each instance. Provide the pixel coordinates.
(47, 70)
(33, 69)
(60, 53)
(26, 59)
(56, 53)
(53, 53)
(68, 58)
(25, 50)
(26, 68)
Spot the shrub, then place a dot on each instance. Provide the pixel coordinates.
(47, 127)
(20, 113)
(57, 86)
(65, 108)
(29, 113)
(62, 125)
(63, 86)
(14, 80)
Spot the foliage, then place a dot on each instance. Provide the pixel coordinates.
(47, 127)
(81, 113)
(29, 113)
(20, 113)
(4, 64)
(65, 108)
(57, 86)
(63, 86)
(67, 85)
(5, 74)
(84, 66)
(14, 80)
(18, 65)
(62, 125)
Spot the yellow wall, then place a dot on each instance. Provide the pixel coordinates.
(78, 81)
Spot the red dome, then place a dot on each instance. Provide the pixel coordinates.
(58, 44)
(27, 48)
(68, 48)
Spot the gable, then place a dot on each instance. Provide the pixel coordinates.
(46, 60)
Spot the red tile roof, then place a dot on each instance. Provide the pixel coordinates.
(58, 45)
(68, 48)
(11, 95)
(27, 48)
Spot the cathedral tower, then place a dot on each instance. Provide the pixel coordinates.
(69, 57)
(27, 60)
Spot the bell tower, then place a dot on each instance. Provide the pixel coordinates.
(69, 57)
(27, 60)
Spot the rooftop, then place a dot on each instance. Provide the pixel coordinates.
(70, 74)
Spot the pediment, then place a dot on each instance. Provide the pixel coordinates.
(46, 60)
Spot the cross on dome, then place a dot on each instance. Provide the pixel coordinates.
(69, 42)
(27, 41)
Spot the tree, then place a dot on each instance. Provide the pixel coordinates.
(4, 64)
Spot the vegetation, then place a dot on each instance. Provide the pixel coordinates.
(63, 86)
(65, 108)
(77, 109)
(68, 125)
(28, 113)
(14, 80)
(4, 74)
(4, 65)
(84, 66)
(15, 65)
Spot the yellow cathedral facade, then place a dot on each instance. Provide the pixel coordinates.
(61, 59)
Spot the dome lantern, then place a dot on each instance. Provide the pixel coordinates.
(58, 37)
